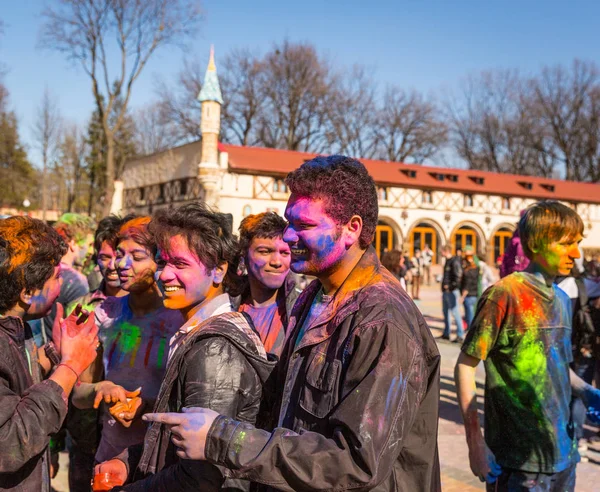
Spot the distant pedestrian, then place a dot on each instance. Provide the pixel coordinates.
(417, 273)
(470, 285)
(451, 281)
(427, 256)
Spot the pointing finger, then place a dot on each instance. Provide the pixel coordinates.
(165, 418)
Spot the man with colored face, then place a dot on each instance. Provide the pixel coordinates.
(216, 359)
(135, 330)
(82, 425)
(522, 332)
(76, 231)
(271, 290)
(358, 380)
(32, 409)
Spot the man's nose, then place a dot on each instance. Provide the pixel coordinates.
(289, 235)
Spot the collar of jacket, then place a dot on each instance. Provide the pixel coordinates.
(344, 302)
(14, 327)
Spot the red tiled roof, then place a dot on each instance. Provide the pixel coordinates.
(257, 160)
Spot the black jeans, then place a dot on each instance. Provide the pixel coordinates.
(523, 481)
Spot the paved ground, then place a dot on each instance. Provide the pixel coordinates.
(456, 475)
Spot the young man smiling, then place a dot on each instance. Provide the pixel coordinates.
(271, 291)
(358, 379)
(216, 359)
(522, 332)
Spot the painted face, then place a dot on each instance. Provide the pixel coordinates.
(316, 240)
(268, 261)
(183, 278)
(83, 249)
(107, 257)
(558, 257)
(135, 266)
(43, 299)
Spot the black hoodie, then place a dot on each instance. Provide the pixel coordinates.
(221, 365)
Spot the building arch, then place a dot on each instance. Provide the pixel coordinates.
(388, 235)
(425, 231)
(499, 240)
(468, 233)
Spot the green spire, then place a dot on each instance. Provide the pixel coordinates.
(211, 91)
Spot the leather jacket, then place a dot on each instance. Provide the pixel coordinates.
(359, 396)
(452, 274)
(220, 365)
(31, 410)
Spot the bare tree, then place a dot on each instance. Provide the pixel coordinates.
(69, 169)
(298, 91)
(179, 108)
(408, 127)
(152, 133)
(353, 114)
(243, 81)
(82, 29)
(565, 103)
(47, 129)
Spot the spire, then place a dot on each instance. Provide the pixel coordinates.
(211, 91)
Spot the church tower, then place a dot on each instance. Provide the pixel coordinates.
(209, 172)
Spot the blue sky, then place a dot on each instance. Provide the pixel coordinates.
(424, 44)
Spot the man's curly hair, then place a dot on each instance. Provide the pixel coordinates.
(29, 251)
(345, 187)
(207, 233)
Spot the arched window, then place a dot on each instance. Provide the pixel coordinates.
(279, 186)
(506, 203)
(382, 193)
(247, 210)
(468, 200)
(427, 197)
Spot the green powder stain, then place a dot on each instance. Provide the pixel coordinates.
(161, 352)
(130, 336)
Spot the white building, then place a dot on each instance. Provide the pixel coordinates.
(418, 204)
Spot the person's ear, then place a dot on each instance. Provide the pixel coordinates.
(353, 230)
(26, 297)
(72, 245)
(219, 273)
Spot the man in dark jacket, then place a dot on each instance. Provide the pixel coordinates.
(359, 375)
(216, 359)
(32, 409)
(271, 291)
(451, 293)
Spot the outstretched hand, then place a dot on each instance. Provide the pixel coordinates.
(126, 413)
(189, 430)
(110, 393)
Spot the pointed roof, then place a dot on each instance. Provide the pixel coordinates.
(211, 90)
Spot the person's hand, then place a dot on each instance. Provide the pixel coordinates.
(189, 430)
(112, 393)
(483, 462)
(592, 402)
(116, 470)
(77, 338)
(126, 413)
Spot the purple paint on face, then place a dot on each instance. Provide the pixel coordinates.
(107, 264)
(268, 261)
(135, 266)
(43, 299)
(183, 278)
(316, 240)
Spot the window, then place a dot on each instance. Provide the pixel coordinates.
(468, 200)
(427, 197)
(247, 211)
(382, 193)
(279, 186)
(506, 203)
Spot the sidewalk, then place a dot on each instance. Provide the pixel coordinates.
(454, 458)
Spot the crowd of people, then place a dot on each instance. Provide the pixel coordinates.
(197, 362)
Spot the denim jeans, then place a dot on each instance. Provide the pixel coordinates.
(523, 481)
(470, 303)
(451, 305)
(584, 367)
